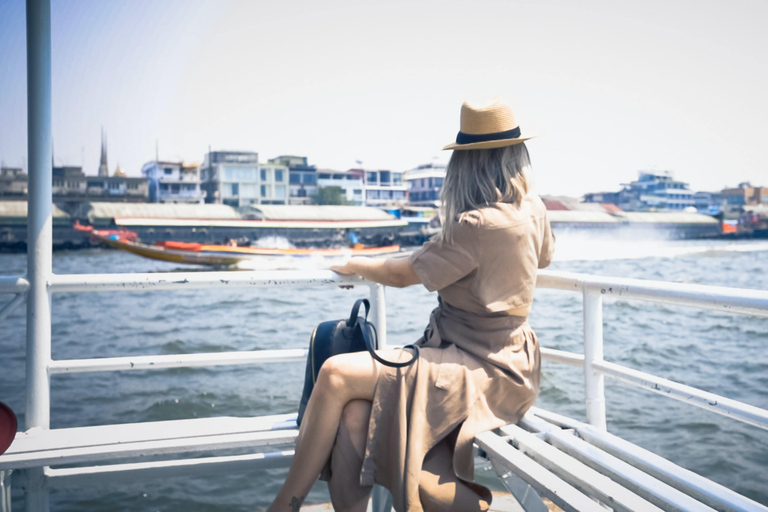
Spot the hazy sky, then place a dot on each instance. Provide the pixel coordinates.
(610, 87)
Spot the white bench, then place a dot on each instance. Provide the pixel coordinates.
(582, 468)
(578, 467)
(109, 443)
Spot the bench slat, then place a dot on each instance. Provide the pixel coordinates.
(39, 440)
(581, 476)
(544, 482)
(139, 471)
(684, 480)
(145, 448)
(653, 490)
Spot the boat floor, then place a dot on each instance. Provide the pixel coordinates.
(502, 502)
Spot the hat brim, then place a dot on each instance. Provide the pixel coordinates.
(488, 144)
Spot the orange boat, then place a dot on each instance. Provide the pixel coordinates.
(227, 255)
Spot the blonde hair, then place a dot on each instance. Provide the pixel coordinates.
(479, 177)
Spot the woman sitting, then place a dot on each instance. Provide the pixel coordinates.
(411, 429)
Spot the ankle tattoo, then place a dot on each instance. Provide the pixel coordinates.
(296, 503)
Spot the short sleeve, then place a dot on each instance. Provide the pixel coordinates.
(547, 244)
(441, 263)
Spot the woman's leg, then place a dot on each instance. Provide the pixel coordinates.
(342, 378)
(440, 490)
(347, 459)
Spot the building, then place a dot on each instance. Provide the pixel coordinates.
(13, 183)
(303, 178)
(603, 197)
(383, 188)
(273, 185)
(235, 178)
(350, 182)
(70, 186)
(708, 202)
(425, 183)
(652, 191)
(745, 195)
(173, 182)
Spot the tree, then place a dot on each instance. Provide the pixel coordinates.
(330, 195)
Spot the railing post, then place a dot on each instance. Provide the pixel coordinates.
(379, 312)
(39, 234)
(381, 499)
(594, 384)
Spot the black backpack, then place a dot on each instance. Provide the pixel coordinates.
(354, 334)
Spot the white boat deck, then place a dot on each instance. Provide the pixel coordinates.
(578, 466)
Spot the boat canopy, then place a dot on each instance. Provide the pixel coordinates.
(312, 212)
(98, 213)
(15, 212)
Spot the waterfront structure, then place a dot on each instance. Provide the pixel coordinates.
(173, 182)
(602, 197)
(70, 186)
(708, 202)
(424, 184)
(383, 188)
(350, 182)
(234, 178)
(103, 167)
(652, 191)
(303, 178)
(13, 183)
(745, 195)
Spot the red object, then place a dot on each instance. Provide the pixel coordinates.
(122, 234)
(8, 425)
(184, 246)
(554, 205)
(611, 208)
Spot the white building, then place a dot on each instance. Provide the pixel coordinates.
(273, 179)
(384, 188)
(424, 184)
(236, 178)
(351, 183)
(173, 182)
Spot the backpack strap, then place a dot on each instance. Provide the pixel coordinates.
(370, 344)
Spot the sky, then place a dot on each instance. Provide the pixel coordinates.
(609, 88)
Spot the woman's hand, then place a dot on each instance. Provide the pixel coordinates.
(346, 269)
(395, 272)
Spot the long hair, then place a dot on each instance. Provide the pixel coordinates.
(479, 177)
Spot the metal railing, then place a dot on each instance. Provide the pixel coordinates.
(592, 288)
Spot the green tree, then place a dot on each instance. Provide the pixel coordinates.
(330, 195)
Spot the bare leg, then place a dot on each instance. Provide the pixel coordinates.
(347, 459)
(342, 378)
(440, 490)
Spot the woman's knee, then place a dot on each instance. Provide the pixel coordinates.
(347, 376)
(331, 378)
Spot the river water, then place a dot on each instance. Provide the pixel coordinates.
(718, 352)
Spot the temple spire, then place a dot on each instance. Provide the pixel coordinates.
(103, 168)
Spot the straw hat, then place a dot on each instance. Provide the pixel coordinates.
(487, 125)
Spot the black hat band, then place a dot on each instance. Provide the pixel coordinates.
(469, 138)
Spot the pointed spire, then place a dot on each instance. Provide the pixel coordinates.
(103, 168)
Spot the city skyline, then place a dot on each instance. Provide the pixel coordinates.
(610, 89)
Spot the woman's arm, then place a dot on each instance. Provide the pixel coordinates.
(395, 272)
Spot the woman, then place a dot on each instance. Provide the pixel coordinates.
(411, 429)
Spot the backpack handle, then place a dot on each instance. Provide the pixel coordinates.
(356, 310)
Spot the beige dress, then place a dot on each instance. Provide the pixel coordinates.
(479, 367)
